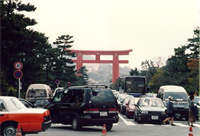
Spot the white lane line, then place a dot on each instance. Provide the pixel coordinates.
(167, 125)
(115, 124)
(180, 124)
(130, 123)
(196, 125)
(148, 124)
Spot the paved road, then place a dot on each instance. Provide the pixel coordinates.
(126, 127)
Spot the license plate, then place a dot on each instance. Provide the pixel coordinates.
(154, 117)
(103, 114)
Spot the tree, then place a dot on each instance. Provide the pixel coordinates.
(20, 43)
(134, 72)
(193, 61)
(64, 67)
(82, 76)
(116, 84)
(149, 69)
(157, 80)
(193, 44)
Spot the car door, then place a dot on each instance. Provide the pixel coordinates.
(54, 106)
(3, 111)
(137, 106)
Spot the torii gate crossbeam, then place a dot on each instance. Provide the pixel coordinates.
(115, 62)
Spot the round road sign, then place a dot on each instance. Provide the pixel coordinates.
(57, 81)
(18, 65)
(18, 74)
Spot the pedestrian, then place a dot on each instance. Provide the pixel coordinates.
(195, 93)
(193, 111)
(11, 93)
(170, 111)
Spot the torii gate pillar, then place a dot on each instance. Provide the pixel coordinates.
(115, 62)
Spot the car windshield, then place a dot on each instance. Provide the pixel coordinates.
(103, 96)
(196, 99)
(176, 95)
(152, 103)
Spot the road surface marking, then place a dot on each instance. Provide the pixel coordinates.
(130, 123)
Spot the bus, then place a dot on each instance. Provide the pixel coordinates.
(134, 85)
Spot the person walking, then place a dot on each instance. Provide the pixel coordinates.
(192, 112)
(170, 111)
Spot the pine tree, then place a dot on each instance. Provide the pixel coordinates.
(65, 67)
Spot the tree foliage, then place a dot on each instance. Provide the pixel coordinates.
(134, 72)
(41, 62)
(82, 76)
(181, 69)
(63, 68)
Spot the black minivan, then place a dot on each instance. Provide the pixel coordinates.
(84, 106)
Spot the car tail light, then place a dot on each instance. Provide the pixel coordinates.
(47, 118)
(93, 110)
(113, 110)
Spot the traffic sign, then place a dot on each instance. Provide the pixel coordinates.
(57, 81)
(18, 74)
(18, 65)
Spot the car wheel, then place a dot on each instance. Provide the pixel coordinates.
(135, 119)
(127, 115)
(9, 130)
(122, 112)
(75, 124)
(109, 126)
(138, 119)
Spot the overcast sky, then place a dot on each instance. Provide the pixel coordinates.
(151, 28)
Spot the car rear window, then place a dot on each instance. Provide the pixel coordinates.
(19, 105)
(102, 96)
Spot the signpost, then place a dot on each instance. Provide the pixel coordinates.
(18, 74)
(57, 82)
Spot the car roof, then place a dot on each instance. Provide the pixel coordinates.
(172, 88)
(89, 86)
(149, 98)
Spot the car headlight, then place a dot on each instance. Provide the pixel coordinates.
(144, 112)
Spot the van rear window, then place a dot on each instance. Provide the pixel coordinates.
(103, 96)
(36, 93)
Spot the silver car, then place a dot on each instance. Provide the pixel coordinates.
(149, 109)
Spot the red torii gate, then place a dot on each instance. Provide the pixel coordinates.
(79, 61)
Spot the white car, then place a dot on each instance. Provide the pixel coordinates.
(14, 112)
